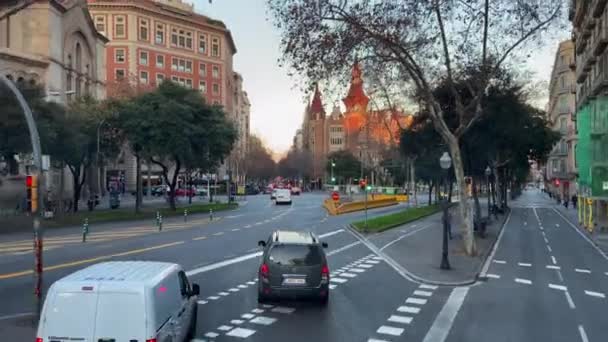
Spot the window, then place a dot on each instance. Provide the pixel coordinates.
(216, 89)
(216, 102)
(202, 43)
(563, 125)
(182, 65)
(189, 83)
(119, 26)
(144, 28)
(563, 104)
(100, 24)
(184, 285)
(160, 61)
(216, 71)
(202, 69)
(143, 77)
(215, 47)
(562, 81)
(295, 255)
(120, 74)
(143, 57)
(175, 79)
(160, 34)
(202, 87)
(160, 78)
(189, 67)
(181, 38)
(562, 60)
(119, 55)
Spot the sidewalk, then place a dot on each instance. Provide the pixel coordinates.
(571, 214)
(417, 248)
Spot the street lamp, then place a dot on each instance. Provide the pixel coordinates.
(488, 172)
(445, 162)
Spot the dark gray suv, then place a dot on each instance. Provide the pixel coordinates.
(293, 265)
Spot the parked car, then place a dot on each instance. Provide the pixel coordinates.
(201, 191)
(296, 190)
(121, 301)
(293, 265)
(273, 194)
(185, 192)
(160, 190)
(283, 196)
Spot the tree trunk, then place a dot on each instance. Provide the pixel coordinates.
(430, 192)
(413, 180)
(467, 223)
(451, 187)
(61, 188)
(76, 173)
(476, 198)
(138, 192)
(437, 191)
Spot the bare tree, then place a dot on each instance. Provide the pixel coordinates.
(423, 42)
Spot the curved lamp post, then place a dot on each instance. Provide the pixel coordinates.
(445, 162)
(488, 172)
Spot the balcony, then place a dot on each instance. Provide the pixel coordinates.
(598, 7)
(599, 84)
(571, 134)
(599, 42)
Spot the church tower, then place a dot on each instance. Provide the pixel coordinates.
(316, 135)
(356, 111)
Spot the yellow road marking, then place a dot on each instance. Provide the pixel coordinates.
(87, 261)
(200, 238)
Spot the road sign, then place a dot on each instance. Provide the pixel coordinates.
(335, 196)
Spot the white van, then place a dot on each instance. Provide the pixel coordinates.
(283, 196)
(130, 301)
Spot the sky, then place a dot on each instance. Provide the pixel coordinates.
(277, 104)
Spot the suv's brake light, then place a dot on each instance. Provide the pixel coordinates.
(264, 272)
(324, 274)
(39, 339)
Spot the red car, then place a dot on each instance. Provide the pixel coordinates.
(184, 192)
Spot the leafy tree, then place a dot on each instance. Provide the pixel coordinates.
(259, 163)
(174, 128)
(347, 166)
(296, 164)
(422, 42)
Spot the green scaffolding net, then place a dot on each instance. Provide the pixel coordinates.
(583, 147)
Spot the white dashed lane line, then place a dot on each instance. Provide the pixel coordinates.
(499, 261)
(553, 267)
(419, 301)
(493, 276)
(523, 264)
(408, 309)
(595, 294)
(579, 270)
(523, 281)
(558, 287)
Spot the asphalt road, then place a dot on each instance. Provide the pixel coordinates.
(522, 300)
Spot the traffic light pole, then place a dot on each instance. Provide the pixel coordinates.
(36, 151)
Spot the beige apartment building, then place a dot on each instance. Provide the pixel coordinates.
(561, 165)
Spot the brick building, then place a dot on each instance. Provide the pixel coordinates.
(154, 40)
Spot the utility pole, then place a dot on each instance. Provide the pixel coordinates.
(38, 230)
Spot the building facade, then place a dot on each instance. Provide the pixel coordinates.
(590, 37)
(561, 165)
(363, 132)
(53, 44)
(154, 40)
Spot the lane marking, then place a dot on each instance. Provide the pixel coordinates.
(372, 262)
(404, 236)
(445, 319)
(523, 281)
(582, 235)
(388, 330)
(247, 316)
(580, 270)
(223, 293)
(19, 315)
(357, 270)
(365, 266)
(213, 297)
(553, 260)
(428, 287)
(283, 310)
(236, 229)
(237, 321)
(557, 225)
(423, 293)
(524, 264)
(559, 275)
(341, 249)
(499, 261)
(332, 286)
(375, 340)
(553, 267)
(199, 238)
(419, 301)
(525, 223)
(250, 282)
(348, 275)
(338, 280)
(257, 311)
(546, 241)
(570, 301)
(491, 275)
(224, 328)
(240, 332)
(218, 234)
(248, 226)
(233, 289)
(549, 248)
(202, 302)
(595, 294)
(581, 330)
(263, 320)
(212, 335)
(408, 309)
(223, 264)
(400, 319)
(558, 287)
(331, 233)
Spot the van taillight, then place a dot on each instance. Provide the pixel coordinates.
(39, 339)
(324, 274)
(151, 340)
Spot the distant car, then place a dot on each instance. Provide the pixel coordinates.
(273, 194)
(184, 192)
(283, 196)
(296, 190)
(160, 190)
(267, 190)
(200, 191)
(293, 265)
(121, 301)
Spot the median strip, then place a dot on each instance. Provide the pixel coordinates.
(384, 222)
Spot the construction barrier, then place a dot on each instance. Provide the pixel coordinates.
(398, 198)
(334, 208)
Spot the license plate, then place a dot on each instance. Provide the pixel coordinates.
(294, 281)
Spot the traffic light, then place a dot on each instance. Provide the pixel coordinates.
(31, 184)
(363, 184)
(556, 182)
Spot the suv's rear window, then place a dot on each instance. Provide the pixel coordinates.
(296, 255)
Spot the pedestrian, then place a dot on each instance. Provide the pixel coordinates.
(574, 200)
(566, 203)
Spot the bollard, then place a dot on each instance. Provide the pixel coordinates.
(157, 218)
(210, 214)
(160, 222)
(185, 215)
(85, 230)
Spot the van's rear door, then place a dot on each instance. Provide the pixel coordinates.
(120, 317)
(70, 317)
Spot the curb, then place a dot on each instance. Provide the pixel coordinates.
(476, 278)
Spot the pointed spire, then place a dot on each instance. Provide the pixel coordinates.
(316, 107)
(356, 100)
